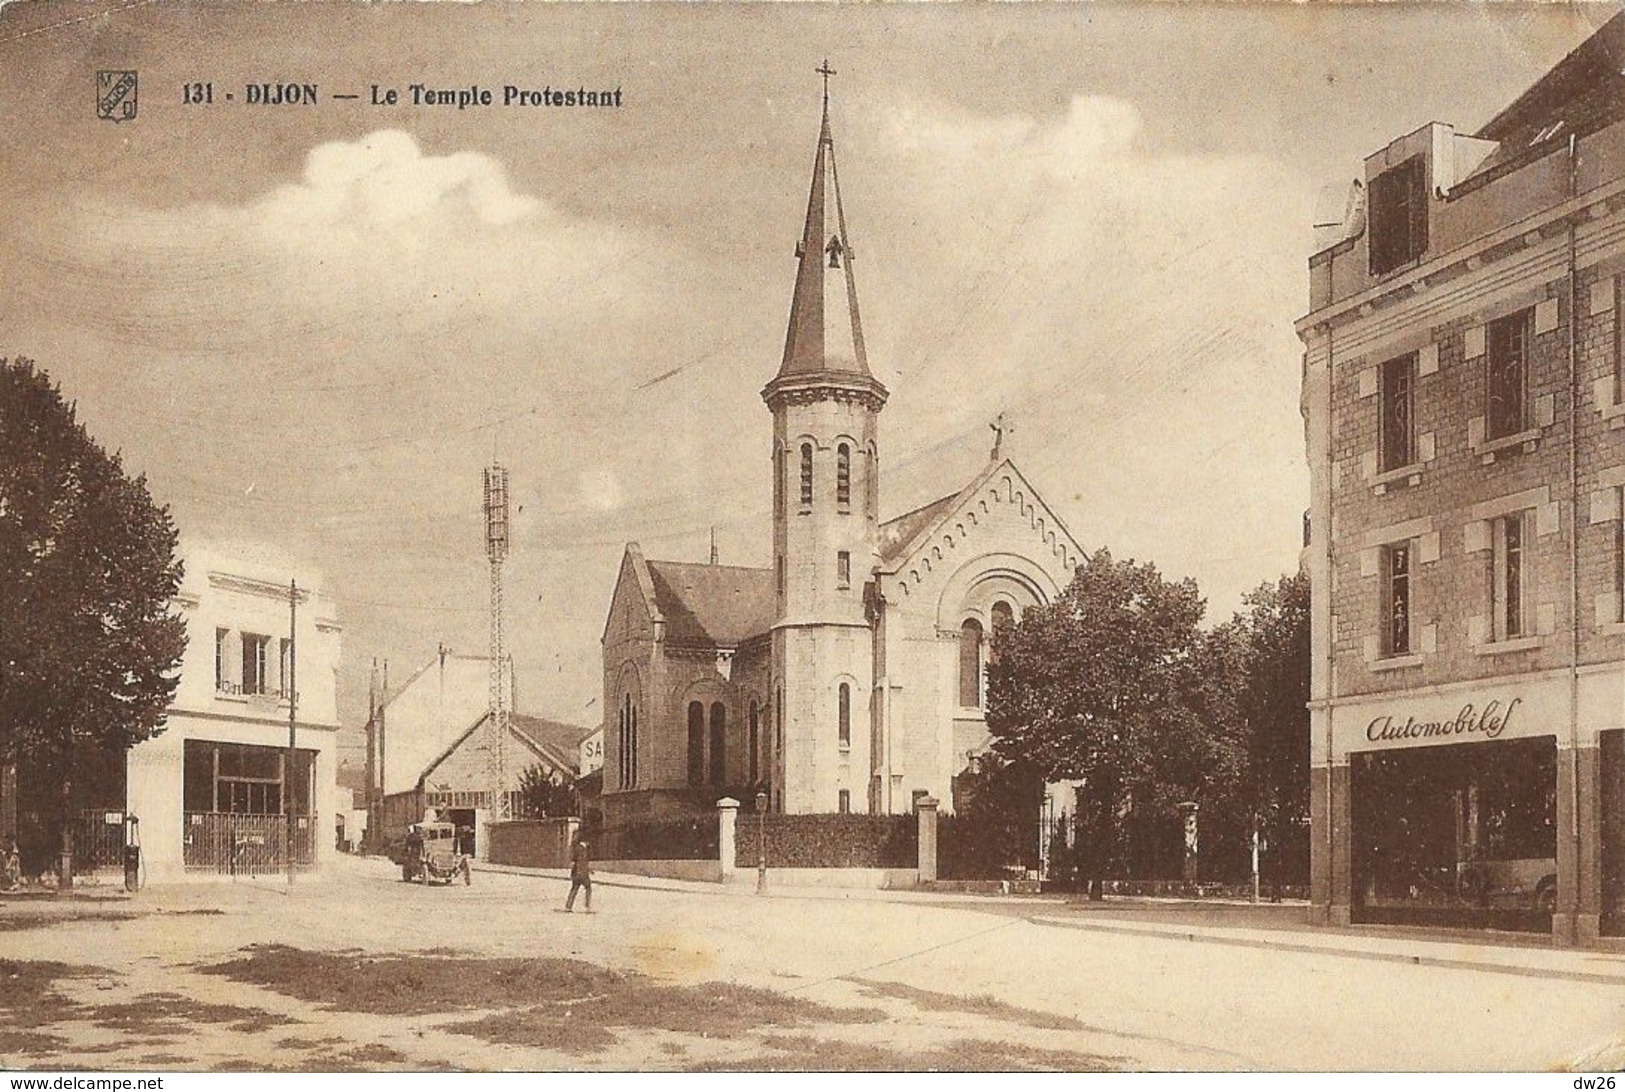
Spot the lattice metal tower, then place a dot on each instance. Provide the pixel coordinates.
(496, 549)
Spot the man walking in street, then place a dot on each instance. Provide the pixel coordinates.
(580, 875)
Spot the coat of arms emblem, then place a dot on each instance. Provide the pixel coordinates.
(115, 96)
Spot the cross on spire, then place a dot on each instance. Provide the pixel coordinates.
(999, 426)
(825, 71)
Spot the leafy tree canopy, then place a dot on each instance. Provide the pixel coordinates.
(89, 647)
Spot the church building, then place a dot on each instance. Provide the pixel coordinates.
(848, 677)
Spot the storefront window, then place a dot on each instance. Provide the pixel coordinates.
(1463, 834)
(1613, 832)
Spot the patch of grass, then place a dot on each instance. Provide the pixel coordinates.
(171, 1013)
(10, 924)
(156, 1060)
(990, 1007)
(296, 1043)
(415, 984)
(28, 996)
(13, 1041)
(718, 1009)
(807, 1054)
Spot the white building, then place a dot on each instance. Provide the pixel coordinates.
(208, 791)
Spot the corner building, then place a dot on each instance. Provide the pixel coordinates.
(848, 677)
(1465, 428)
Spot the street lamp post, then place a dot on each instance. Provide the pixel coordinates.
(761, 842)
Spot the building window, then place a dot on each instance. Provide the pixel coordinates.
(806, 475)
(241, 779)
(719, 743)
(1396, 599)
(778, 480)
(285, 665)
(1507, 384)
(628, 766)
(844, 801)
(843, 569)
(696, 743)
(1003, 619)
(754, 739)
(1397, 441)
(844, 716)
(1399, 216)
(1509, 580)
(843, 477)
(970, 664)
(254, 650)
(220, 658)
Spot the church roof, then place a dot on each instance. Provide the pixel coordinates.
(896, 534)
(715, 605)
(824, 339)
(902, 537)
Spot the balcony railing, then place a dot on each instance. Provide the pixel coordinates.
(229, 689)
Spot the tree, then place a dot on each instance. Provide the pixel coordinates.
(1274, 704)
(89, 648)
(541, 796)
(992, 828)
(1096, 688)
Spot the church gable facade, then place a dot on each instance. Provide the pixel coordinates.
(983, 558)
(848, 676)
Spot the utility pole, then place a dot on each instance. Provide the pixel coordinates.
(293, 702)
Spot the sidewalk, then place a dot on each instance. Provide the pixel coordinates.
(1277, 927)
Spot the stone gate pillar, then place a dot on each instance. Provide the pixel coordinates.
(727, 820)
(927, 816)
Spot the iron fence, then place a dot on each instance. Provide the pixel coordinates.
(246, 845)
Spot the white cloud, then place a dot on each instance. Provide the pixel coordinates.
(385, 178)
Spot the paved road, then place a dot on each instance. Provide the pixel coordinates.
(1149, 1001)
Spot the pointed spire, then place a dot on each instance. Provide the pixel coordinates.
(825, 335)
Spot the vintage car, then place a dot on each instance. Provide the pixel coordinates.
(1527, 882)
(431, 853)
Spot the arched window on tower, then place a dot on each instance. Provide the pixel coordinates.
(806, 475)
(843, 477)
(696, 743)
(844, 715)
(970, 664)
(778, 479)
(1003, 618)
(719, 743)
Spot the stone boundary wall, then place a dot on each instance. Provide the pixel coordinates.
(698, 871)
(532, 843)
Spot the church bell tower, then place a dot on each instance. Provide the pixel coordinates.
(826, 490)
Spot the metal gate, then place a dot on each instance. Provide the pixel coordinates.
(98, 841)
(246, 845)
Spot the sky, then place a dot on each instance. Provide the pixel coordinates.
(313, 326)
